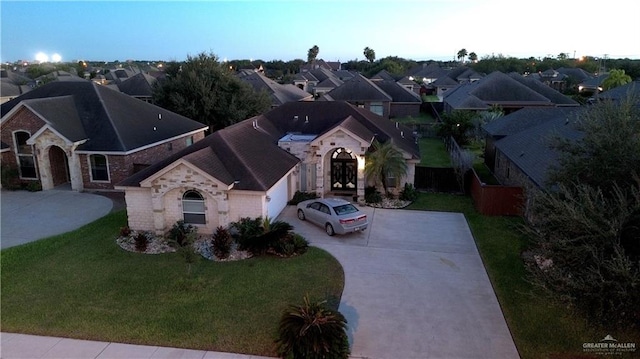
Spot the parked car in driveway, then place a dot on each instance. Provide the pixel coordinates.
(335, 215)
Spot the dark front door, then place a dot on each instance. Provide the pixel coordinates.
(344, 174)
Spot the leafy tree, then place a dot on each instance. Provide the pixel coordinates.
(312, 331)
(586, 232)
(369, 54)
(206, 91)
(462, 54)
(473, 57)
(616, 78)
(608, 153)
(562, 56)
(312, 54)
(457, 124)
(384, 161)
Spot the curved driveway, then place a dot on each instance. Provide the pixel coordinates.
(29, 216)
(415, 287)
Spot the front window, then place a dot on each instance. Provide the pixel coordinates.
(24, 152)
(189, 140)
(193, 208)
(99, 168)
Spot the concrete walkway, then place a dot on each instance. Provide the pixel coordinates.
(29, 216)
(18, 346)
(415, 287)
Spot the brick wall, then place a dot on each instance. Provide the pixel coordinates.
(121, 167)
(404, 109)
(139, 209)
(246, 204)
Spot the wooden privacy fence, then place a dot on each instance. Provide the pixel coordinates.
(436, 179)
(496, 200)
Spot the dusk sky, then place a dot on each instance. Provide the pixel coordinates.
(285, 30)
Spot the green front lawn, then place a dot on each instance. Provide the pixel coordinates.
(539, 328)
(83, 285)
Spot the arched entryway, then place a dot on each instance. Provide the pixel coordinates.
(344, 171)
(59, 164)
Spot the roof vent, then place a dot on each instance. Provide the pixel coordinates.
(159, 116)
(306, 119)
(295, 118)
(402, 134)
(255, 125)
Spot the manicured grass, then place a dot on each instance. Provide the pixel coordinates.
(422, 119)
(433, 153)
(83, 285)
(540, 328)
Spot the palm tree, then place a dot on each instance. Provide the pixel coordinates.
(616, 78)
(462, 54)
(473, 57)
(312, 331)
(384, 161)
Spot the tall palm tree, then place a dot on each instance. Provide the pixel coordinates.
(462, 54)
(384, 161)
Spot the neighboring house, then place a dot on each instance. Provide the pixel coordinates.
(254, 167)
(139, 86)
(12, 85)
(320, 64)
(404, 102)
(510, 93)
(279, 94)
(362, 92)
(383, 75)
(410, 84)
(88, 135)
(592, 85)
(621, 92)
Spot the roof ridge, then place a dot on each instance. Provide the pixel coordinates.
(106, 111)
(237, 155)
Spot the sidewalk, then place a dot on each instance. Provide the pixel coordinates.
(25, 346)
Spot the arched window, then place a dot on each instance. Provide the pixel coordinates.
(193, 208)
(99, 168)
(24, 152)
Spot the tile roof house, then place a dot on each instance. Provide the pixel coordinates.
(254, 167)
(279, 94)
(88, 135)
(510, 92)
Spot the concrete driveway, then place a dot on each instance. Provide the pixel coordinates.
(415, 287)
(29, 216)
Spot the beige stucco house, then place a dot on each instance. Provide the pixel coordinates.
(254, 167)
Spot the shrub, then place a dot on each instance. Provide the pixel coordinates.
(302, 196)
(258, 236)
(290, 245)
(180, 231)
(9, 177)
(222, 243)
(408, 193)
(125, 231)
(34, 186)
(312, 330)
(141, 241)
(372, 195)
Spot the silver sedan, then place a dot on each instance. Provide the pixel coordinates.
(335, 215)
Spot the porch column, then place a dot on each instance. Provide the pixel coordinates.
(44, 167)
(75, 169)
(157, 206)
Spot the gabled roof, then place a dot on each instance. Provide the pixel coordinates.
(59, 113)
(359, 88)
(531, 150)
(556, 97)
(407, 81)
(139, 85)
(278, 93)
(383, 75)
(621, 92)
(330, 83)
(498, 88)
(575, 73)
(524, 119)
(112, 121)
(398, 92)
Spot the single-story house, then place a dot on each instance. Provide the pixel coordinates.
(278, 93)
(254, 167)
(88, 135)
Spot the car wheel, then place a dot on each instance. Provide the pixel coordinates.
(301, 215)
(329, 229)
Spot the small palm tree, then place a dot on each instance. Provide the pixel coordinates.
(384, 161)
(312, 331)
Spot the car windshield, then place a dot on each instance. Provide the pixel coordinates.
(345, 209)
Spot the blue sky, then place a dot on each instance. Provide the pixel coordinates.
(286, 29)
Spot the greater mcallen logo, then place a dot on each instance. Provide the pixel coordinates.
(609, 345)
